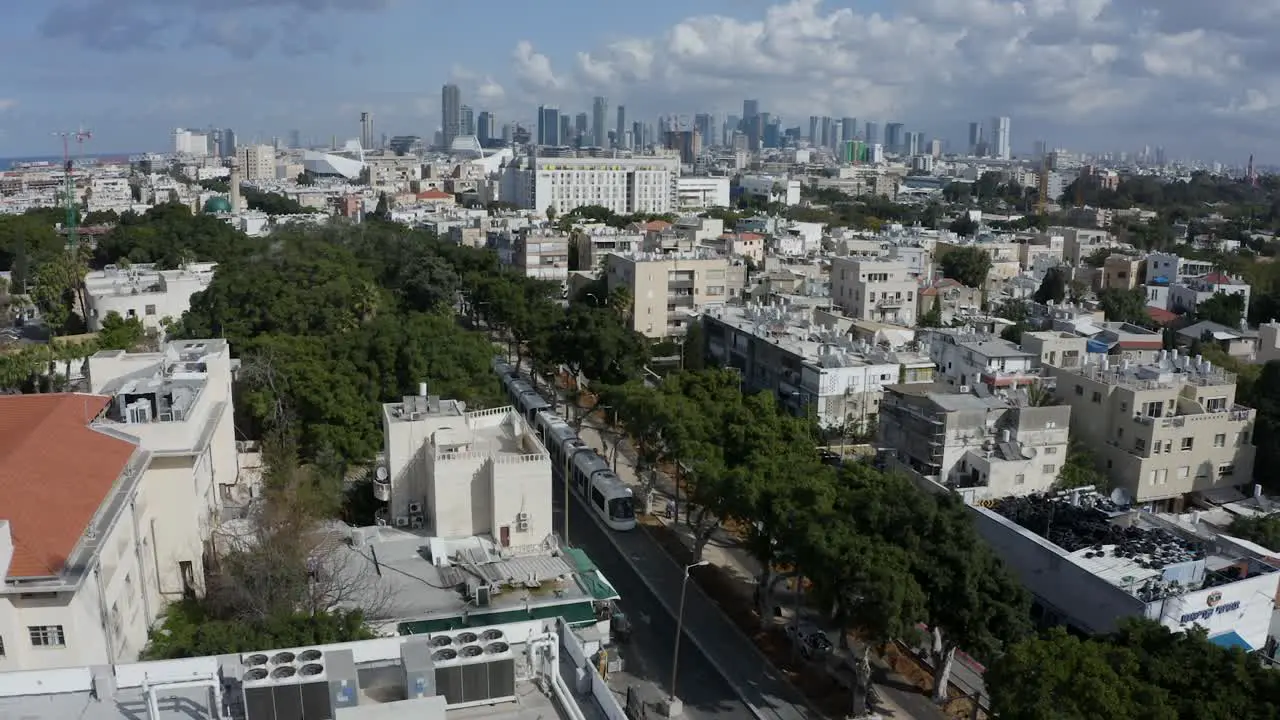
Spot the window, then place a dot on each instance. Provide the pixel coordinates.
(1097, 397)
(1019, 479)
(47, 636)
(1080, 390)
(1139, 445)
(1225, 470)
(1184, 472)
(1051, 451)
(1187, 443)
(1217, 404)
(1, 647)
(1154, 409)
(1049, 469)
(1220, 440)
(150, 310)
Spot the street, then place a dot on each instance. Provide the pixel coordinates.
(648, 654)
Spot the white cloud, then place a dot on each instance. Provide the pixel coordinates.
(1103, 73)
(7, 104)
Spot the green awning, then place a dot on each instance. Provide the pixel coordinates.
(575, 614)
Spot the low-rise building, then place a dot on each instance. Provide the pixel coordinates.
(668, 290)
(512, 669)
(594, 244)
(879, 290)
(953, 299)
(981, 447)
(813, 370)
(456, 473)
(966, 359)
(698, 192)
(144, 292)
(1090, 565)
(1240, 342)
(771, 189)
(1186, 296)
(1160, 430)
(107, 501)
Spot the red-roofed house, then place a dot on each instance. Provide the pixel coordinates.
(437, 197)
(107, 500)
(952, 298)
(1187, 296)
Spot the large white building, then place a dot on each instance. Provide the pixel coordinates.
(186, 142)
(626, 186)
(770, 188)
(457, 474)
(697, 192)
(144, 292)
(107, 500)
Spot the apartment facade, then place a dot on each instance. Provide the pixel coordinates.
(980, 447)
(830, 378)
(454, 473)
(669, 290)
(257, 162)
(879, 290)
(698, 192)
(543, 253)
(966, 359)
(1160, 430)
(108, 501)
(144, 292)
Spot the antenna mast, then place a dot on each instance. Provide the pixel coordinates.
(68, 169)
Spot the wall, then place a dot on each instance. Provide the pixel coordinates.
(1251, 618)
(522, 485)
(1085, 600)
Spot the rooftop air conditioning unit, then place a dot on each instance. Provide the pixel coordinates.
(964, 389)
(415, 508)
(402, 521)
(417, 521)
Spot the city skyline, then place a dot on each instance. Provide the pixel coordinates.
(1098, 75)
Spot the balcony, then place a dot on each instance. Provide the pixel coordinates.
(888, 303)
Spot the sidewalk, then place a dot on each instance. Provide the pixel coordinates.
(723, 551)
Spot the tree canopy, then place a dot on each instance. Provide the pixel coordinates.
(969, 265)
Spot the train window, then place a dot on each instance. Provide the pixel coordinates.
(622, 509)
(597, 497)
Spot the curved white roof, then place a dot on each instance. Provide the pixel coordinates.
(329, 164)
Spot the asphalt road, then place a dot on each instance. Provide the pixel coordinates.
(648, 654)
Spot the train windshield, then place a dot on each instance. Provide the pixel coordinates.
(622, 508)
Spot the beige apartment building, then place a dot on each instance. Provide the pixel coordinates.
(1160, 430)
(879, 290)
(669, 290)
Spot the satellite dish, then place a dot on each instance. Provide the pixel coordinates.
(1120, 497)
(380, 473)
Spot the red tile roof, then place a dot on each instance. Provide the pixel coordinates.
(1161, 316)
(656, 225)
(435, 195)
(55, 472)
(1218, 278)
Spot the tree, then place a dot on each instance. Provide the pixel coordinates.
(1079, 470)
(1222, 308)
(932, 318)
(969, 265)
(693, 350)
(1054, 286)
(1124, 306)
(383, 209)
(964, 226)
(1261, 529)
(118, 333)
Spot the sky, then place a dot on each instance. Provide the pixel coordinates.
(1194, 76)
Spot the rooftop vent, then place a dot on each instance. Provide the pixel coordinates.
(445, 654)
(496, 648)
(283, 658)
(256, 674)
(491, 634)
(467, 638)
(284, 671)
(438, 641)
(311, 669)
(256, 660)
(309, 656)
(472, 651)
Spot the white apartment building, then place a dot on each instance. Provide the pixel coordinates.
(1160, 430)
(1167, 268)
(980, 447)
(1187, 295)
(966, 359)
(668, 290)
(257, 162)
(452, 473)
(627, 186)
(698, 192)
(771, 188)
(814, 370)
(144, 292)
(879, 290)
(107, 501)
(594, 245)
(541, 253)
(186, 142)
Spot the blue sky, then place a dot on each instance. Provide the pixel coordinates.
(1084, 74)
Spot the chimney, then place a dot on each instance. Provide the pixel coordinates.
(237, 204)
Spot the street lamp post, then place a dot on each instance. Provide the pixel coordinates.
(674, 706)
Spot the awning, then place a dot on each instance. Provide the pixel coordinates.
(1231, 639)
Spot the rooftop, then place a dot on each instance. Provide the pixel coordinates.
(428, 583)
(792, 329)
(378, 675)
(1171, 370)
(496, 431)
(1131, 550)
(56, 471)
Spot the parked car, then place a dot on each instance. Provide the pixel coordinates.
(810, 639)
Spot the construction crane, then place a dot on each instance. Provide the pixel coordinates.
(68, 167)
(1042, 187)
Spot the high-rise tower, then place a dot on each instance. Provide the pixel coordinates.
(599, 116)
(366, 130)
(1000, 146)
(450, 113)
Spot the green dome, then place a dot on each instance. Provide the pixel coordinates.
(217, 204)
